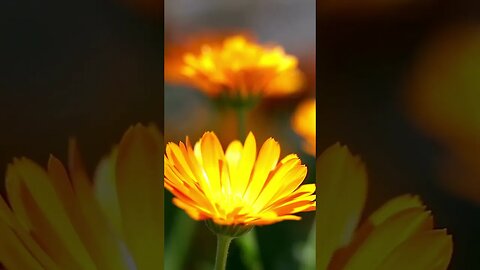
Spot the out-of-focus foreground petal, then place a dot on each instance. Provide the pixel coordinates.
(54, 221)
(343, 182)
(394, 232)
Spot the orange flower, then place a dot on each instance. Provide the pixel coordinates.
(303, 123)
(238, 67)
(237, 187)
(175, 51)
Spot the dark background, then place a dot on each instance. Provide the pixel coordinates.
(88, 69)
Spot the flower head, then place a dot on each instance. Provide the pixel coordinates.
(303, 123)
(236, 187)
(53, 220)
(239, 67)
(399, 235)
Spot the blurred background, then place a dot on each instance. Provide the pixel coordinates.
(87, 69)
(188, 111)
(399, 83)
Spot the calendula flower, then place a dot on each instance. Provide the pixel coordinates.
(54, 221)
(399, 235)
(241, 68)
(236, 187)
(304, 124)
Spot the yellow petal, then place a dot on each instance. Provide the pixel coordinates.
(267, 220)
(429, 250)
(266, 161)
(61, 183)
(184, 189)
(212, 154)
(106, 190)
(233, 155)
(386, 237)
(245, 165)
(7, 218)
(46, 214)
(193, 211)
(139, 172)
(195, 173)
(175, 153)
(293, 182)
(13, 254)
(94, 228)
(342, 178)
(303, 193)
(281, 177)
(393, 207)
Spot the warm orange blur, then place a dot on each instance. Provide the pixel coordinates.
(235, 66)
(175, 51)
(303, 123)
(444, 100)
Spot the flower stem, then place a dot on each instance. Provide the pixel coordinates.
(179, 241)
(242, 122)
(223, 242)
(250, 250)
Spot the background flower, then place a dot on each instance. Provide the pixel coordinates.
(304, 124)
(239, 67)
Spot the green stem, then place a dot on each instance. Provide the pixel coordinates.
(223, 242)
(242, 122)
(250, 250)
(179, 241)
(307, 261)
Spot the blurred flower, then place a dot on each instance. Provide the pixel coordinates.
(399, 235)
(239, 68)
(236, 187)
(443, 100)
(303, 123)
(175, 51)
(53, 220)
